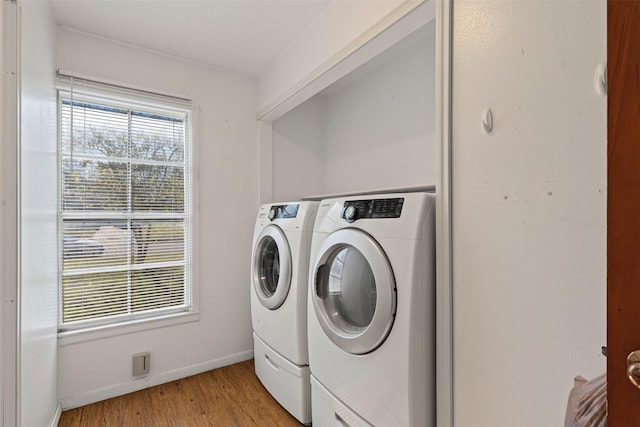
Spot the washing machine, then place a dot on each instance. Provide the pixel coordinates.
(371, 315)
(279, 272)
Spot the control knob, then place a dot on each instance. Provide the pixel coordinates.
(350, 213)
(273, 213)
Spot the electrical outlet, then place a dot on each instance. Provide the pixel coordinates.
(141, 363)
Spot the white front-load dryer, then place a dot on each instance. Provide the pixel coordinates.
(371, 316)
(279, 273)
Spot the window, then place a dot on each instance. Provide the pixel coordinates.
(124, 215)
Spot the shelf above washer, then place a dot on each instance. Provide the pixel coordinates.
(427, 188)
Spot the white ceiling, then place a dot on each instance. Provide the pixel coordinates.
(237, 35)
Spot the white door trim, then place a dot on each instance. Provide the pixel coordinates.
(444, 263)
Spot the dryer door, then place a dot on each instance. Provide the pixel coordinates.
(354, 291)
(272, 267)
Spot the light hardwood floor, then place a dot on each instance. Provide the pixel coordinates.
(225, 397)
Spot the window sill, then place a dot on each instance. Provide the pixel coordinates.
(107, 331)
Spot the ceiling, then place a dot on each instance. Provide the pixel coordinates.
(237, 35)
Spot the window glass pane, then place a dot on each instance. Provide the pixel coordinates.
(158, 240)
(92, 244)
(98, 130)
(157, 287)
(157, 188)
(156, 137)
(94, 295)
(92, 185)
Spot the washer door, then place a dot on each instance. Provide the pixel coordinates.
(272, 267)
(354, 291)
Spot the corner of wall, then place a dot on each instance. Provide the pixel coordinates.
(265, 161)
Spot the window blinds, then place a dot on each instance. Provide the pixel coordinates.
(124, 204)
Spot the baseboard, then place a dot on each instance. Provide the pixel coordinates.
(160, 378)
(56, 417)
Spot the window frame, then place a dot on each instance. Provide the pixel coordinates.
(131, 98)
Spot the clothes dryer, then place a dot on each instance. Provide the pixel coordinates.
(371, 316)
(279, 272)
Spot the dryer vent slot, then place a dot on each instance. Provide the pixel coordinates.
(321, 291)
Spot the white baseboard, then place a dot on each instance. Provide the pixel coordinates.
(108, 392)
(56, 417)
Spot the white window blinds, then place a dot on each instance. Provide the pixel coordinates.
(124, 204)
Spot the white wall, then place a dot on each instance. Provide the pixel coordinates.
(298, 151)
(375, 128)
(227, 136)
(380, 124)
(39, 264)
(341, 29)
(529, 208)
(8, 215)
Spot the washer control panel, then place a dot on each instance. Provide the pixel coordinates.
(283, 211)
(354, 210)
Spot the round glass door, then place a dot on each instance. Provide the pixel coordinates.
(272, 267)
(355, 295)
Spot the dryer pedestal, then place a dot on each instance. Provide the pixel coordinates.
(329, 411)
(287, 383)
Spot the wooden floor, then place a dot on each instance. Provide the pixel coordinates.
(230, 396)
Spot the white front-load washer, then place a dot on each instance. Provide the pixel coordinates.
(279, 273)
(371, 316)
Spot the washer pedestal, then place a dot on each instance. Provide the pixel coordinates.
(287, 383)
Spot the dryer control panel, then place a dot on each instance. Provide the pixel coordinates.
(375, 208)
(283, 211)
